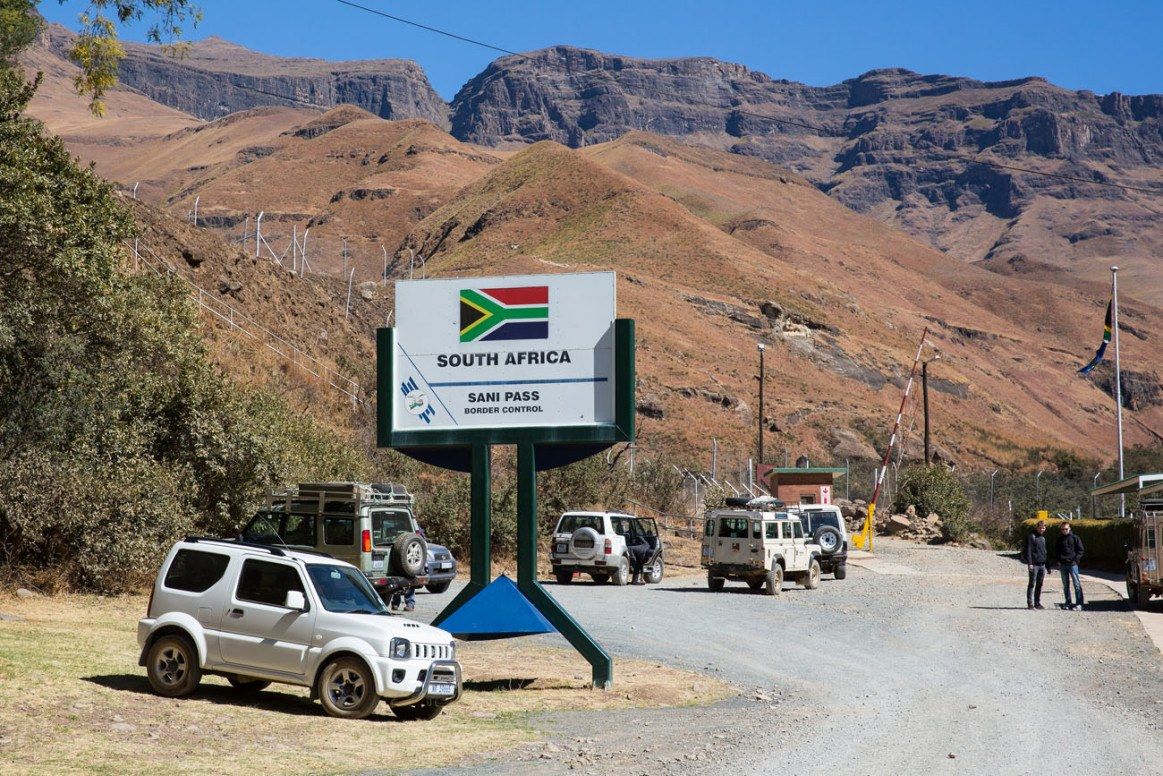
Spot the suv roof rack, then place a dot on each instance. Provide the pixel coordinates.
(357, 494)
(238, 542)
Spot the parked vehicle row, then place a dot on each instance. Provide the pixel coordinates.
(300, 597)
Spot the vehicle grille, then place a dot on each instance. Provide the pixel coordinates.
(433, 651)
(442, 556)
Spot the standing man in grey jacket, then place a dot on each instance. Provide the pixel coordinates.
(1069, 554)
(1034, 556)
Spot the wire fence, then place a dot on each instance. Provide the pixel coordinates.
(144, 254)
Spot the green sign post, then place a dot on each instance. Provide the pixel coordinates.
(534, 361)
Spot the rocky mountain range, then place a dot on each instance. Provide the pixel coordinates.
(212, 78)
(1014, 174)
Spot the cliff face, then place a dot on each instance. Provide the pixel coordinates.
(937, 156)
(213, 78)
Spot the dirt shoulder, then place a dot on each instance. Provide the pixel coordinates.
(73, 700)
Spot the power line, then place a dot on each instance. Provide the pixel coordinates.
(743, 112)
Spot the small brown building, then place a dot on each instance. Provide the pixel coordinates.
(802, 485)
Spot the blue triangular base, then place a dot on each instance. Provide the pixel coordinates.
(500, 611)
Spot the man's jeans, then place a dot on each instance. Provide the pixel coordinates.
(1034, 589)
(1070, 574)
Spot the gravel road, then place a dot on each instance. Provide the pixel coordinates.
(926, 659)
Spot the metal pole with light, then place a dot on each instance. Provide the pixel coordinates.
(1038, 488)
(995, 471)
(759, 461)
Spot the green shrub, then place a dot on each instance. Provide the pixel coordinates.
(1104, 541)
(935, 489)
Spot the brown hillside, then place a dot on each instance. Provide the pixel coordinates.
(715, 252)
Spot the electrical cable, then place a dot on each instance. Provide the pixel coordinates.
(743, 112)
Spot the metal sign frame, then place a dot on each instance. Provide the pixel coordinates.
(538, 448)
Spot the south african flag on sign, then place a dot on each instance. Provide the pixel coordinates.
(504, 313)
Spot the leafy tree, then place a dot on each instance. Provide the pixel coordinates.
(96, 49)
(116, 433)
(19, 26)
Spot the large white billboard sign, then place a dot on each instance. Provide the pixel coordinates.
(525, 350)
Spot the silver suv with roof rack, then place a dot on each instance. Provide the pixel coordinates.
(257, 614)
(370, 525)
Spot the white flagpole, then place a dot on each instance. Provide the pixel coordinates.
(1118, 378)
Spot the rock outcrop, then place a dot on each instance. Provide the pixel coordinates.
(213, 78)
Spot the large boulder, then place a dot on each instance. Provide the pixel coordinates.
(897, 524)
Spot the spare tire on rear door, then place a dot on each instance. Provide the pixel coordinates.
(584, 543)
(828, 538)
(409, 553)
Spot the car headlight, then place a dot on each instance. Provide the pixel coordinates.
(400, 649)
(452, 646)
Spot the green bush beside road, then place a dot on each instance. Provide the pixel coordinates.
(1104, 540)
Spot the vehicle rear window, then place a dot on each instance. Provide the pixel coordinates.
(733, 527)
(338, 531)
(274, 528)
(570, 523)
(824, 518)
(195, 571)
(388, 524)
(264, 582)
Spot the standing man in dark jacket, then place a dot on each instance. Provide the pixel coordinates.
(1035, 557)
(1069, 554)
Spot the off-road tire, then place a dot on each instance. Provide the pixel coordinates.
(600, 579)
(1132, 587)
(840, 571)
(653, 573)
(563, 577)
(437, 587)
(347, 689)
(715, 584)
(810, 579)
(172, 666)
(621, 575)
(409, 554)
(775, 579)
(418, 711)
(756, 584)
(829, 539)
(246, 685)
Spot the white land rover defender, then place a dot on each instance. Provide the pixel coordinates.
(257, 614)
(759, 548)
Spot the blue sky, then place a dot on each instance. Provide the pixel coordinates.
(1102, 46)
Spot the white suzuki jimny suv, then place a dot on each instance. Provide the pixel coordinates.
(257, 614)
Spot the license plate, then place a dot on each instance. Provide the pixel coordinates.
(445, 565)
(562, 547)
(442, 689)
(378, 565)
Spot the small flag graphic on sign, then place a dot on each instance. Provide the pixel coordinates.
(504, 313)
(1106, 338)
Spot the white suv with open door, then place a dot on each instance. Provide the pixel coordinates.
(256, 614)
(594, 543)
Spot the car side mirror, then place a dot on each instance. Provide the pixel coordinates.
(296, 600)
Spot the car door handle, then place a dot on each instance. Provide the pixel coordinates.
(235, 613)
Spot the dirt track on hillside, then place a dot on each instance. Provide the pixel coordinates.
(934, 664)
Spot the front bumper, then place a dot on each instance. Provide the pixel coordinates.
(441, 575)
(440, 682)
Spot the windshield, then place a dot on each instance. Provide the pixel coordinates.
(343, 589)
(387, 525)
(570, 523)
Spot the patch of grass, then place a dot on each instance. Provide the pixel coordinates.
(74, 700)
